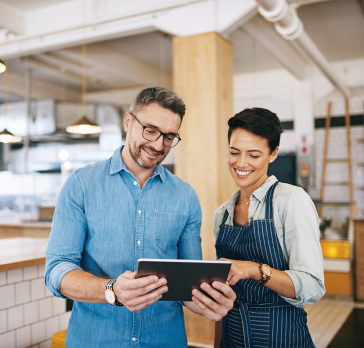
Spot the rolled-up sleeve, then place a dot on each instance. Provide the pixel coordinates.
(68, 235)
(302, 241)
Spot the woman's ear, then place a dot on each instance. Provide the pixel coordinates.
(273, 155)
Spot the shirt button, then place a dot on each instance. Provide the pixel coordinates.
(135, 182)
(139, 212)
(138, 242)
(133, 339)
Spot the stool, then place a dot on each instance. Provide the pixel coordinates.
(59, 339)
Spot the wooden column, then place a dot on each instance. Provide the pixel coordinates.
(203, 77)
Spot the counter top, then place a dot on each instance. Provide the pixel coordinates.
(18, 253)
(15, 221)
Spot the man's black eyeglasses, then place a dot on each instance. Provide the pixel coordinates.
(152, 134)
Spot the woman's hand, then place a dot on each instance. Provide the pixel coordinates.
(242, 270)
(280, 281)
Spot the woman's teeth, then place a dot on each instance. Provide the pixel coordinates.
(243, 173)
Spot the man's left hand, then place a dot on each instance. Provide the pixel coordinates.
(224, 300)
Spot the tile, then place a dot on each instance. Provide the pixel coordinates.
(41, 270)
(3, 278)
(64, 320)
(23, 337)
(59, 305)
(7, 340)
(47, 293)
(22, 292)
(30, 313)
(7, 298)
(15, 276)
(30, 273)
(36, 289)
(15, 317)
(46, 344)
(52, 326)
(3, 321)
(38, 332)
(45, 308)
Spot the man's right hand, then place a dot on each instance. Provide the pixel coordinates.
(136, 294)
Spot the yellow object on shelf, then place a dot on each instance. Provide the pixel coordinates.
(335, 249)
(59, 339)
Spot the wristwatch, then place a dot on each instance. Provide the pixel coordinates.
(110, 295)
(266, 272)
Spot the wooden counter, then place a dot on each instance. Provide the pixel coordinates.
(11, 227)
(16, 253)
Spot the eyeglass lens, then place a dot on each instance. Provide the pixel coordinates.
(152, 134)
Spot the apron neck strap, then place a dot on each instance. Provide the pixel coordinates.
(269, 202)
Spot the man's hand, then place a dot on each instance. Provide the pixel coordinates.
(207, 307)
(136, 294)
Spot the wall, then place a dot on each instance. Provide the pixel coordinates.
(29, 314)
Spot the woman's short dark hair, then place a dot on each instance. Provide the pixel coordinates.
(163, 97)
(260, 122)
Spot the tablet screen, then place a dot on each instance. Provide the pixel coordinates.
(183, 275)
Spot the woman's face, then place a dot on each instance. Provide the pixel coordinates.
(248, 158)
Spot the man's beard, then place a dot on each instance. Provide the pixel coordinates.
(136, 154)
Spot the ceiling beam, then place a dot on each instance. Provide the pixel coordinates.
(281, 50)
(102, 57)
(11, 20)
(40, 89)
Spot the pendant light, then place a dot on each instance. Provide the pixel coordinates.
(2, 66)
(84, 125)
(5, 135)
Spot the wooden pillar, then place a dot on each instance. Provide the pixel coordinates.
(203, 77)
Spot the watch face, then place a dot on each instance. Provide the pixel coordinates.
(110, 296)
(266, 270)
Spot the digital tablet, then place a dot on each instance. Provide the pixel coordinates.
(183, 275)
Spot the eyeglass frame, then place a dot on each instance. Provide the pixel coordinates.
(161, 133)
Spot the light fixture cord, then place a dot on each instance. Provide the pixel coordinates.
(5, 102)
(84, 57)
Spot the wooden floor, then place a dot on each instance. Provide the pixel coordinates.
(325, 318)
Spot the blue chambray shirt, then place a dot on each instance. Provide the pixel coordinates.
(103, 223)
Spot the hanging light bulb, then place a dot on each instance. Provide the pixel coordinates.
(84, 126)
(7, 137)
(2, 66)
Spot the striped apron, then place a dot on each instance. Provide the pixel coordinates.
(260, 317)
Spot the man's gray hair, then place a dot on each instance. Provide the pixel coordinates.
(163, 97)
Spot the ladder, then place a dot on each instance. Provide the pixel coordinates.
(348, 160)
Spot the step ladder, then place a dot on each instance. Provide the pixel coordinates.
(348, 160)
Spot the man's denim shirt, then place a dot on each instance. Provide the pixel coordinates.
(103, 224)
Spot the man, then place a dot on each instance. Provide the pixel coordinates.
(114, 212)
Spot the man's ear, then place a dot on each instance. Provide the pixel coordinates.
(127, 121)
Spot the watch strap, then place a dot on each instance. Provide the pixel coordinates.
(265, 277)
(109, 286)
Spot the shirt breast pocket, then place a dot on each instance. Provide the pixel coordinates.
(169, 229)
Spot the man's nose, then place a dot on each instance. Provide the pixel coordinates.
(158, 144)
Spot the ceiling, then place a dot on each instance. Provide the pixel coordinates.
(336, 26)
(31, 5)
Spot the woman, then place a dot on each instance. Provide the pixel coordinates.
(270, 233)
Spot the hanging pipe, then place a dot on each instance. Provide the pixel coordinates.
(288, 25)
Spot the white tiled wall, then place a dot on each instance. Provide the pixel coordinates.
(29, 314)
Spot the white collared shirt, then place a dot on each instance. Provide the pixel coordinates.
(297, 225)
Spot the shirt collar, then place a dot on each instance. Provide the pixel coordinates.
(117, 165)
(259, 193)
